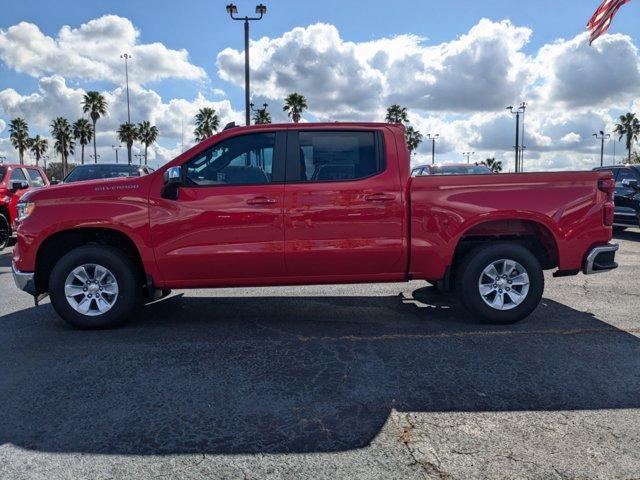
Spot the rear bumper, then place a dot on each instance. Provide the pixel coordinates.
(600, 259)
(23, 280)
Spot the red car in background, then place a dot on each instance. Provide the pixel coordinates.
(15, 181)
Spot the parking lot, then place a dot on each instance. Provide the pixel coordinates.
(362, 381)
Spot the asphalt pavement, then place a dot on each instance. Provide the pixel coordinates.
(326, 382)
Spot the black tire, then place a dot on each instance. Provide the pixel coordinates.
(5, 232)
(120, 265)
(619, 229)
(468, 275)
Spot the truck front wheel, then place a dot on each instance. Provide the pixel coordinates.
(94, 286)
(500, 283)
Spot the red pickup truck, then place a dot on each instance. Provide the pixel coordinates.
(302, 204)
(15, 180)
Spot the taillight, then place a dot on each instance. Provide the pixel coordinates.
(608, 214)
(608, 186)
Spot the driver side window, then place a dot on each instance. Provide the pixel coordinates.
(242, 160)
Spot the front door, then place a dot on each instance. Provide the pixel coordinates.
(344, 209)
(226, 226)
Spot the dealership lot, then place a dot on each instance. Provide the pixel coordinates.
(362, 381)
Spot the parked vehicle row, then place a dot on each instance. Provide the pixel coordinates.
(15, 180)
(297, 204)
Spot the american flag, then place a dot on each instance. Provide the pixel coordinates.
(601, 20)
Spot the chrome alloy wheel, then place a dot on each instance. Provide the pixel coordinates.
(503, 284)
(91, 289)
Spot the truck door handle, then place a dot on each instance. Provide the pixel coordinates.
(379, 197)
(261, 201)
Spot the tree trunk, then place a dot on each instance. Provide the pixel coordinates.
(95, 150)
(129, 152)
(145, 154)
(21, 152)
(82, 156)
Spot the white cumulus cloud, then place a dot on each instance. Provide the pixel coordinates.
(92, 51)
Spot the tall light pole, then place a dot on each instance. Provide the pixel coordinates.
(433, 146)
(139, 156)
(3, 158)
(95, 158)
(602, 137)
(44, 159)
(126, 57)
(517, 112)
(233, 10)
(468, 155)
(116, 148)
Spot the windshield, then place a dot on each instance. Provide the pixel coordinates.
(459, 170)
(92, 172)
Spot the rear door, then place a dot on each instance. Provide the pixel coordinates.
(344, 210)
(626, 212)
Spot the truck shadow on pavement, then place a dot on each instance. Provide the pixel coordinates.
(293, 374)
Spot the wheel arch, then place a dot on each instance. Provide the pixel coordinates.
(532, 234)
(58, 243)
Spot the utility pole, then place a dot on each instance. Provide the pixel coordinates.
(602, 137)
(517, 112)
(233, 10)
(433, 146)
(126, 57)
(468, 155)
(116, 148)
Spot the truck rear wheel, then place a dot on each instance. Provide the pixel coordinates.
(500, 283)
(94, 287)
(5, 232)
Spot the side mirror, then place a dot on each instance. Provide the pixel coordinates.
(630, 183)
(15, 185)
(172, 182)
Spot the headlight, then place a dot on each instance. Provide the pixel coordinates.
(25, 209)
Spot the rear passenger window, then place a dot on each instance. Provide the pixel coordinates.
(35, 177)
(242, 160)
(335, 156)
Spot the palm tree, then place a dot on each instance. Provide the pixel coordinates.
(65, 143)
(396, 114)
(128, 133)
(294, 105)
(96, 106)
(207, 123)
(38, 147)
(494, 165)
(262, 117)
(19, 136)
(628, 127)
(414, 138)
(83, 133)
(147, 134)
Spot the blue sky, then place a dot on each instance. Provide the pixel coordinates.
(204, 30)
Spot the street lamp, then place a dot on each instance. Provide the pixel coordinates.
(139, 156)
(433, 146)
(517, 112)
(116, 148)
(44, 159)
(602, 137)
(126, 57)
(2, 159)
(468, 155)
(232, 10)
(95, 158)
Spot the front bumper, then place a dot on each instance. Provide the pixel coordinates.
(600, 259)
(23, 280)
